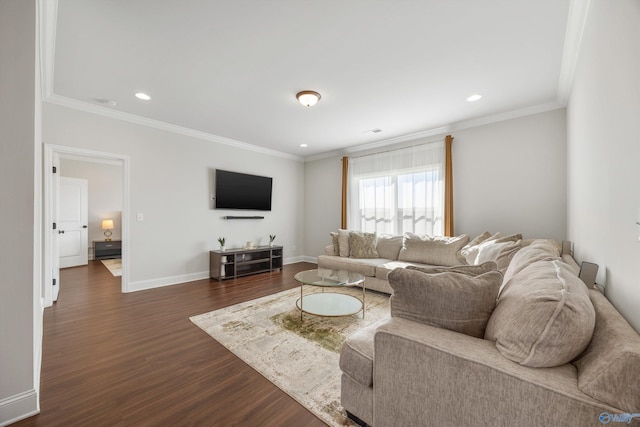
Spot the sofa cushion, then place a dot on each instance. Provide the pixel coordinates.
(364, 266)
(362, 245)
(389, 246)
(434, 250)
(471, 251)
(470, 270)
(499, 252)
(536, 250)
(544, 317)
(450, 300)
(609, 368)
(356, 357)
(343, 243)
(383, 270)
(462, 255)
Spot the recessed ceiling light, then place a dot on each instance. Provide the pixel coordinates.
(143, 96)
(474, 97)
(303, 145)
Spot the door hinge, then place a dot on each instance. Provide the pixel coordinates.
(55, 170)
(54, 282)
(54, 225)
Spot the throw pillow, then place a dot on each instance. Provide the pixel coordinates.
(343, 243)
(389, 246)
(362, 245)
(450, 300)
(501, 253)
(434, 250)
(334, 242)
(544, 318)
(464, 252)
(470, 270)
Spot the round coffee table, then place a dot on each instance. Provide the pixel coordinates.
(329, 304)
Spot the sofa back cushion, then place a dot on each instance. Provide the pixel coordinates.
(389, 246)
(544, 317)
(455, 301)
(609, 369)
(434, 250)
(536, 250)
(499, 252)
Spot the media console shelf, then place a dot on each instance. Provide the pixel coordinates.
(233, 263)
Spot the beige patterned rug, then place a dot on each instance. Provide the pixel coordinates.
(301, 358)
(114, 266)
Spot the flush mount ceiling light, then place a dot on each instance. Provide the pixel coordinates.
(474, 97)
(143, 96)
(308, 98)
(303, 145)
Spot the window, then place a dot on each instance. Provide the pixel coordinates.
(398, 191)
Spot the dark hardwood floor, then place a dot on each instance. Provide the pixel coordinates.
(113, 359)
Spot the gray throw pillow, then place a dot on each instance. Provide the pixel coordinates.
(362, 245)
(450, 300)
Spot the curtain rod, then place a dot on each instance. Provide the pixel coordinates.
(396, 149)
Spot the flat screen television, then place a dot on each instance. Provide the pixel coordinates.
(235, 190)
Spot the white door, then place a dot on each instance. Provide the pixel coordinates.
(72, 222)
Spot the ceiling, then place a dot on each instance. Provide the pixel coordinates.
(230, 69)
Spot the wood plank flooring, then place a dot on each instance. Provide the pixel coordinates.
(113, 359)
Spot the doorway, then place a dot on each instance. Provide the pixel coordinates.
(53, 155)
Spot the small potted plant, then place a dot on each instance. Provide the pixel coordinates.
(272, 237)
(221, 240)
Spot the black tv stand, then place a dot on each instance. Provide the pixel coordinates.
(233, 263)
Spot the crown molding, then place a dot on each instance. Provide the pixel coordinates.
(442, 130)
(576, 22)
(157, 124)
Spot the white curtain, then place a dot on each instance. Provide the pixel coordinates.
(398, 191)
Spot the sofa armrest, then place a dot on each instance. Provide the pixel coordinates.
(433, 376)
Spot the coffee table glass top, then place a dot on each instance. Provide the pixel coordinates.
(329, 278)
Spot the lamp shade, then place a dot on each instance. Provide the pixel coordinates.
(308, 98)
(107, 224)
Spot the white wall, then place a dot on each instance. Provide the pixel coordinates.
(603, 125)
(509, 176)
(18, 110)
(170, 185)
(104, 194)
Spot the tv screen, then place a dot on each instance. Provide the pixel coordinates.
(242, 191)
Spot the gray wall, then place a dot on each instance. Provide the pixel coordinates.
(17, 161)
(604, 152)
(170, 183)
(509, 176)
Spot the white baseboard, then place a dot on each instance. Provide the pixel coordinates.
(142, 285)
(166, 281)
(18, 407)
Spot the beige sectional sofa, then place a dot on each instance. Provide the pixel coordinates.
(391, 252)
(471, 345)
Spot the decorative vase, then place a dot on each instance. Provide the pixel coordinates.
(270, 244)
(221, 248)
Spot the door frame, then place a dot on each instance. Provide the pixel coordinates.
(51, 152)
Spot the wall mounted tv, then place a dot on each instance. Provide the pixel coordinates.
(235, 190)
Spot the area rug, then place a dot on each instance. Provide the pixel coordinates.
(300, 357)
(114, 266)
